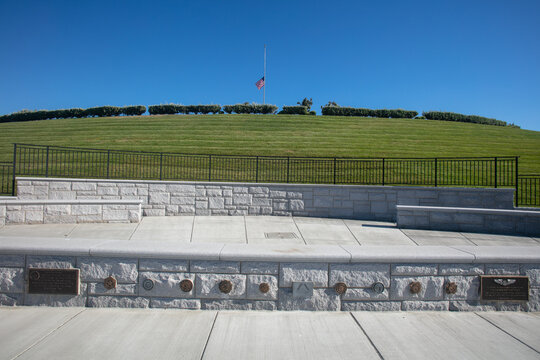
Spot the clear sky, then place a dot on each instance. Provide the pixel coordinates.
(474, 57)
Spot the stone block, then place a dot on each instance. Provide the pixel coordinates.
(358, 195)
(203, 205)
(322, 300)
(108, 190)
(203, 212)
(239, 305)
(207, 286)
(86, 209)
(115, 215)
(241, 199)
(166, 284)
(216, 203)
(118, 301)
(425, 306)
(183, 200)
(187, 190)
(414, 269)
(88, 219)
(51, 262)
(464, 305)
(294, 195)
(461, 269)
(153, 212)
(322, 201)
(192, 304)
(227, 193)
(142, 191)
(57, 209)
(502, 269)
(11, 299)
(379, 207)
(468, 288)
(364, 294)
(11, 280)
(275, 194)
(254, 292)
(157, 188)
(530, 270)
(258, 190)
(162, 265)
(121, 289)
(97, 269)
(360, 275)
(25, 190)
(33, 217)
(209, 266)
(83, 186)
(128, 191)
(59, 219)
(261, 202)
(15, 217)
(11, 260)
(240, 190)
(376, 196)
(279, 205)
(57, 300)
(432, 288)
(296, 205)
(186, 209)
(158, 198)
(60, 185)
(256, 267)
(371, 306)
(314, 272)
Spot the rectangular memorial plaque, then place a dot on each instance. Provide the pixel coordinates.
(53, 281)
(514, 288)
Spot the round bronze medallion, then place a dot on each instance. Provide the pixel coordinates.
(264, 288)
(451, 288)
(109, 283)
(340, 288)
(377, 288)
(148, 284)
(34, 275)
(225, 286)
(186, 285)
(415, 287)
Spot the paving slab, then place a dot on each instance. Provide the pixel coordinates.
(290, 335)
(221, 229)
(500, 240)
(433, 335)
(324, 230)
(43, 230)
(523, 326)
(408, 254)
(502, 254)
(258, 227)
(22, 327)
(164, 228)
(160, 250)
(108, 231)
(433, 237)
(275, 252)
(378, 233)
(47, 246)
(128, 334)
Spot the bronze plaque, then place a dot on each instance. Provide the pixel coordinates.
(53, 281)
(495, 287)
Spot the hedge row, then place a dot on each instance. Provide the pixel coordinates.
(100, 111)
(247, 108)
(450, 116)
(294, 110)
(183, 109)
(381, 113)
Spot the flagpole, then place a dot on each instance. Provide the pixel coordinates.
(264, 87)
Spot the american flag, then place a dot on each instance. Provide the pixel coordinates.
(259, 84)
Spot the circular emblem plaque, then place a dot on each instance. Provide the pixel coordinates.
(377, 288)
(186, 285)
(34, 275)
(451, 288)
(109, 283)
(264, 288)
(225, 286)
(340, 288)
(415, 287)
(148, 284)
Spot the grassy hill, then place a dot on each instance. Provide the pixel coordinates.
(287, 135)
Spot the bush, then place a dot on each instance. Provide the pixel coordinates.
(164, 109)
(102, 111)
(247, 108)
(450, 116)
(133, 110)
(312, 112)
(307, 103)
(294, 110)
(381, 113)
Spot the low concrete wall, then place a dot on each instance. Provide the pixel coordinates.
(517, 222)
(164, 198)
(69, 211)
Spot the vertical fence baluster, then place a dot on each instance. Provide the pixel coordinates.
(516, 180)
(383, 171)
(495, 172)
(14, 169)
(209, 167)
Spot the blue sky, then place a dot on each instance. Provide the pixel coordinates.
(473, 57)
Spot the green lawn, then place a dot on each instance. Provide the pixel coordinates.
(281, 135)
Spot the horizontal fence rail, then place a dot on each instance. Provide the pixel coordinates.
(529, 190)
(56, 161)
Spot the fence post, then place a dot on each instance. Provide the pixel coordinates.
(517, 188)
(436, 173)
(334, 171)
(209, 168)
(382, 171)
(496, 172)
(288, 169)
(160, 166)
(108, 161)
(47, 163)
(14, 168)
(257, 170)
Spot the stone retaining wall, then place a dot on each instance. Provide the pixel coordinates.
(246, 277)
(164, 198)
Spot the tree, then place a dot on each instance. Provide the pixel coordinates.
(307, 103)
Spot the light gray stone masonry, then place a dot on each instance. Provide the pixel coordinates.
(171, 198)
(247, 276)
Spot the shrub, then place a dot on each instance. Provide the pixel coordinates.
(164, 109)
(294, 110)
(381, 113)
(450, 116)
(312, 112)
(247, 108)
(102, 111)
(133, 110)
(307, 103)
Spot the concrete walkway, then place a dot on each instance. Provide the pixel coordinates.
(264, 230)
(78, 333)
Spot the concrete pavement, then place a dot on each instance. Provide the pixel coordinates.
(79, 333)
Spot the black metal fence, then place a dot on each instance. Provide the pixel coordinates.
(529, 190)
(6, 178)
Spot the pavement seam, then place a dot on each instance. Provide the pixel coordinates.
(48, 334)
(348, 252)
(466, 252)
(469, 239)
(135, 230)
(245, 229)
(71, 231)
(410, 238)
(506, 332)
(367, 336)
(348, 228)
(209, 335)
(192, 228)
(297, 228)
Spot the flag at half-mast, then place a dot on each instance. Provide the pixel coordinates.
(259, 84)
